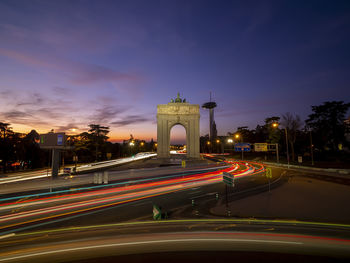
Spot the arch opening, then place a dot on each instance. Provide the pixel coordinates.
(178, 139)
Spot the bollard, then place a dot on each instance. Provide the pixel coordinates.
(217, 197)
(99, 178)
(192, 202)
(95, 178)
(105, 177)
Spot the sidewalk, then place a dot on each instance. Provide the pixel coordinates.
(299, 199)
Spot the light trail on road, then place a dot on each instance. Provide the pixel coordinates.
(46, 208)
(31, 175)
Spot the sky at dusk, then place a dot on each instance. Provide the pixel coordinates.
(66, 64)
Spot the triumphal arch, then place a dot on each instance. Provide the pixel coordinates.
(178, 111)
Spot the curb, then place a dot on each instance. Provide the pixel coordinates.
(327, 170)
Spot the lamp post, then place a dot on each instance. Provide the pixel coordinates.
(208, 144)
(237, 136)
(275, 125)
(230, 141)
(311, 149)
(285, 130)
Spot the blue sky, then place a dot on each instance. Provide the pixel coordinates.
(65, 64)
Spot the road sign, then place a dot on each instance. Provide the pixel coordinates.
(260, 147)
(157, 214)
(245, 147)
(228, 179)
(52, 140)
(268, 172)
(300, 159)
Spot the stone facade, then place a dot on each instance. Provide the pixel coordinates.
(181, 113)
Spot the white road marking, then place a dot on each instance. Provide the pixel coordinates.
(151, 242)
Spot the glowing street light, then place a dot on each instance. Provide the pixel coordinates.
(237, 136)
(131, 143)
(230, 140)
(217, 141)
(208, 142)
(275, 125)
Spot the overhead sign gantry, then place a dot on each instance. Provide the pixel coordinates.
(57, 143)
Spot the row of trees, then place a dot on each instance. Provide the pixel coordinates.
(22, 151)
(326, 131)
(17, 149)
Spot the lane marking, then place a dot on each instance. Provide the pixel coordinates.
(153, 242)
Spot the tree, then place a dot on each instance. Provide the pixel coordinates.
(292, 123)
(4, 129)
(274, 134)
(6, 147)
(99, 136)
(327, 123)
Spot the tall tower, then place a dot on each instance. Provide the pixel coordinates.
(210, 105)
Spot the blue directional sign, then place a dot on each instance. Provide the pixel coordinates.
(59, 139)
(245, 147)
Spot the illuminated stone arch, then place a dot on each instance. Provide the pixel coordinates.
(182, 113)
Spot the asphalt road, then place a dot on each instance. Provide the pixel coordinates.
(182, 240)
(95, 222)
(178, 197)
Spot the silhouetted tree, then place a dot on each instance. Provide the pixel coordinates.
(327, 123)
(292, 123)
(99, 136)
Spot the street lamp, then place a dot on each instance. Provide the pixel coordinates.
(275, 124)
(230, 141)
(237, 136)
(311, 149)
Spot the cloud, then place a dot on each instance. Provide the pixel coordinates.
(130, 119)
(88, 74)
(61, 91)
(78, 72)
(70, 126)
(31, 99)
(15, 114)
(107, 113)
